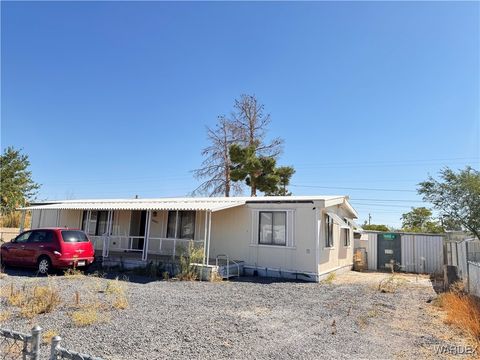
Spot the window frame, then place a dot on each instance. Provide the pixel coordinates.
(329, 223)
(346, 239)
(272, 243)
(178, 224)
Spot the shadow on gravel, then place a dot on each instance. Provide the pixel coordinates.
(267, 280)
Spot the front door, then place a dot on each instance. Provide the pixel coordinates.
(389, 251)
(137, 229)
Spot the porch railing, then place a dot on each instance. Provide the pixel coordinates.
(156, 245)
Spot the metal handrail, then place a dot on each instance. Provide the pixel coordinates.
(226, 257)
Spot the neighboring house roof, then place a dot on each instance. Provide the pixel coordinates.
(186, 203)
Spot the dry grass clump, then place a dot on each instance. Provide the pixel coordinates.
(32, 301)
(43, 299)
(330, 278)
(5, 315)
(73, 273)
(48, 335)
(462, 311)
(116, 291)
(390, 284)
(89, 314)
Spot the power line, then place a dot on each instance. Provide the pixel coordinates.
(395, 200)
(348, 188)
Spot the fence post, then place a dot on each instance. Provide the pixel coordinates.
(468, 266)
(36, 340)
(53, 349)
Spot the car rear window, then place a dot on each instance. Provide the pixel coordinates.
(74, 236)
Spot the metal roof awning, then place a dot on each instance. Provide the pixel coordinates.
(139, 205)
(354, 225)
(338, 220)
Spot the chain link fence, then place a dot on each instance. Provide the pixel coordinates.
(15, 345)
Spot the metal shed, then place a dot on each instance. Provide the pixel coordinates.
(420, 253)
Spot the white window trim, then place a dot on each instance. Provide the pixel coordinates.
(290, 242)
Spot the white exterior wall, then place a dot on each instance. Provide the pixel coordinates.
(338, 256)
(235, 233)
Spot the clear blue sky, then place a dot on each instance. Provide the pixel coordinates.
(111, 99)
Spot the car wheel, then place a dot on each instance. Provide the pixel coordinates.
(44, 265)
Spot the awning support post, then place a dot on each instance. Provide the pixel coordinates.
(205, 238)
(87, 225)
(147, 235)
(22, 221)
(209, 234)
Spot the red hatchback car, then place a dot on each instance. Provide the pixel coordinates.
(49, 248)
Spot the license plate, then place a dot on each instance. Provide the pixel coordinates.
(81, 263)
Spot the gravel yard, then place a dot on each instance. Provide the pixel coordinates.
(250, 318)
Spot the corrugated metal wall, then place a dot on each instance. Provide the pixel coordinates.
(474, 279)
(420, 253)
(372, 252)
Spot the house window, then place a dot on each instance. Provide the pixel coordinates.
(272, 228)
(181, 225)
(328, 231)
(98, 222)
(346, 237)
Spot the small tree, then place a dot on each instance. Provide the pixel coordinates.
(257, 172)
(284, 173)
(216, 165)
(16, 185)
(456, 196)
(374, 227)
(420, 220)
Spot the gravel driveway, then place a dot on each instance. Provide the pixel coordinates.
(253, 318)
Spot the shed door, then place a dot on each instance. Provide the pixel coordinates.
(389, 250)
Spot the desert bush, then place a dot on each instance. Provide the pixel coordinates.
(192, 255)
(462, 311)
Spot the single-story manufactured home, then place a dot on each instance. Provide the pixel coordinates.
(303, 237)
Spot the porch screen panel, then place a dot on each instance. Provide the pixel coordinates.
(187, 225)
(102, 222)
(172, 219)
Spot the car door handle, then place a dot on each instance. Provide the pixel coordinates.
(41, 246)
(23, 246)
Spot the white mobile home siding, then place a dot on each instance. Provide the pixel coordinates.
(240, 226)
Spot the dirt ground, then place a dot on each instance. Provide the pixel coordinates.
(348, 318)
